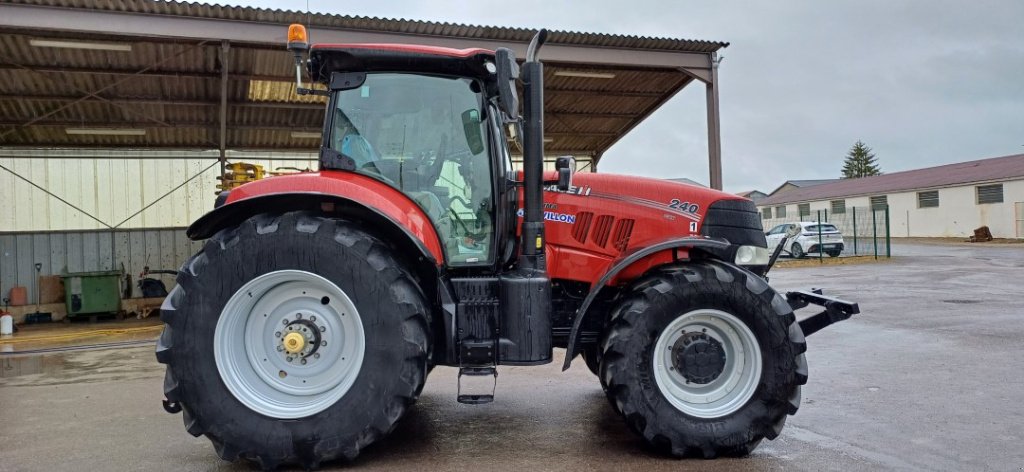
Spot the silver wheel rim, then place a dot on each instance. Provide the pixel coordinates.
(738, 380)
(260, 328)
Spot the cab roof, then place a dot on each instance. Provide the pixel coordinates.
(384, 57)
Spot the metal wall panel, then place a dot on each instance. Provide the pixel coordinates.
(112, 186)
(82, 251)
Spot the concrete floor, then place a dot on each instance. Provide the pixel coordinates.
(927, 378)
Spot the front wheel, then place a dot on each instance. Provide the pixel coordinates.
(704, 360)
(834, 253)
(293, 339)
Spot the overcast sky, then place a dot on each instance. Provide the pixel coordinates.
(922, 82)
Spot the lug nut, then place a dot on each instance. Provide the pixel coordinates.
(316, 355)
(323, 343)
(303, 362)
(289, 358)
(312, 318)
(279, 348)
(323, 328)
(284, 321)
(277, 334)
(298, 316)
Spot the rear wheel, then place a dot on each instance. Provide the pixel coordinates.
(283, 335)
(797, 251)
(834, 253)
(704, 360)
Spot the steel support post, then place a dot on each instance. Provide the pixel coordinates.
(225, 48)
(714, 135)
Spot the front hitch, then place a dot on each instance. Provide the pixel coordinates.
(836, 310)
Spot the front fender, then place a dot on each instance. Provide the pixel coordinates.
(623, 263)
(343, 193)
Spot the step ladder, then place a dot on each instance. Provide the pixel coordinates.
(480, 384)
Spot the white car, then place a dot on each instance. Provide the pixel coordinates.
(806, 239)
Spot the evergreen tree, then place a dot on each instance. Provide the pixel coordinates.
(860, 162)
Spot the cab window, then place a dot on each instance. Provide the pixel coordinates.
(426, 136)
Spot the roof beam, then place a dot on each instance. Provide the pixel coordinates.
(59, 145)
(34, 17)
(310, 127)
(171, 102)
(598, 94)
(583, 114)
(176, 74)
(174, 125)
(172, 74)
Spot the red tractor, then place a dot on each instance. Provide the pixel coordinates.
(307, 325)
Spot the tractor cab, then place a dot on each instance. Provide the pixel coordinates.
(424, 121)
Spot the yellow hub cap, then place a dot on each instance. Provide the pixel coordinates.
(294, 342)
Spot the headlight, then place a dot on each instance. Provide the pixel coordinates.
(752, 255)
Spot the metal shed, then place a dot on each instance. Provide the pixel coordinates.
(190, 76)
(114, 114)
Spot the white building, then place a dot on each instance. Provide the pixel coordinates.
(944, 201)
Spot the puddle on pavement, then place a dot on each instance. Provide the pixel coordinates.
(80, 365)
(58, 353)
(14, 366)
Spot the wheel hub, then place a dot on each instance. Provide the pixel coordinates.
(302, 337)
(698, 357)
(294, 343)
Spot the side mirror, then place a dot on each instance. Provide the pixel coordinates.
(471, 127)
(565, 166)
(508, 73)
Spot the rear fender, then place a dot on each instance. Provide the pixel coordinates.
(387, 211)
(627, 261)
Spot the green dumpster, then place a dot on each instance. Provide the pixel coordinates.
(92, 293)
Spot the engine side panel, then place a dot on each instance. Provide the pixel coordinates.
(603, 216)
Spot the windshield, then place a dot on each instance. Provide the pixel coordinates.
(425, 135)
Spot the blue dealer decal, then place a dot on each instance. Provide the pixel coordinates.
(554, 216)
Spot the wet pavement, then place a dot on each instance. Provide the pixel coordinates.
(927, 378)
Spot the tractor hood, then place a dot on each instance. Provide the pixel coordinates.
(612, 214)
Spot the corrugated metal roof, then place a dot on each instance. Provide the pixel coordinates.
(404, 26)
(171, 88)
(810, 183)
(962, 173)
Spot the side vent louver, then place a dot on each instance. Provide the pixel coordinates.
(602, 229)
(623, 228)
(582, 226)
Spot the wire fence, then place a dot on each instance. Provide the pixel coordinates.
(865, 230)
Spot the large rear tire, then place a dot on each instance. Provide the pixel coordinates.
(704, 360)
(293, 339)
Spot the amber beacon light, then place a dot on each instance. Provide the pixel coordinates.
(297, 37)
